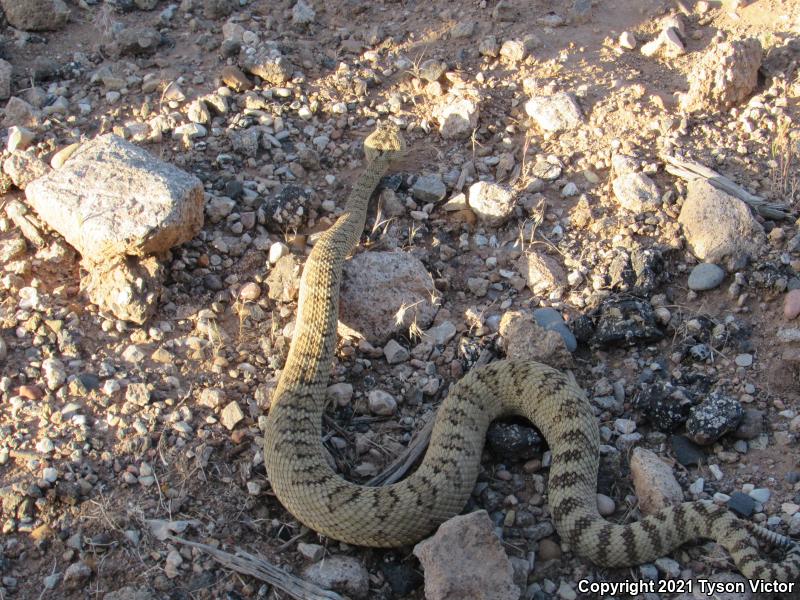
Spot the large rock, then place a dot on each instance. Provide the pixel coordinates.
(555, 113)
(464, 559)
(654, 482)
(725, 76)
(384, 292)
(112, 198)
(36, 15)
(719, 227)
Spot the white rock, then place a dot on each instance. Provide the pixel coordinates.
(492, 203)
(457, 117)
(627, 40)
(555, 113)
(231, 415)
(276, 251)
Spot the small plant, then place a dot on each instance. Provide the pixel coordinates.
(784, 163)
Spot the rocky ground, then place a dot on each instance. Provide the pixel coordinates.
(167, 168)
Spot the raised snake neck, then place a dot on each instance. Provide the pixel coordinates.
(407, 511)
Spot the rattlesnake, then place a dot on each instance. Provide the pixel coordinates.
(407, 511)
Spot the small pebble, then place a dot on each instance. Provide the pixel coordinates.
(705, 276)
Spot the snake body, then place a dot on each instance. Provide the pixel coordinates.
(407, 511)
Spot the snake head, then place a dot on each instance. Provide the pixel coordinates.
(385, 140)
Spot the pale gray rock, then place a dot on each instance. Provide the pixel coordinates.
(465, 559)
(492, 203)
(383, 293)
(24, 168)
(654, 482)
(341, 393)
(705, 276)
(555, 113)
(457, 117)
(429, 188)
(725, 76)
(381, 403)
(36, 15)
(395, 353)
(5, 79)
(21, 113)
(525, 339)
(231, 415)
(112, 199)
(636, 192)
(345, 574)
(719, 227)
(303, 13)
(76, 575)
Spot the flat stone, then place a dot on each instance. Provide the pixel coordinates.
(705, 276)
(742, 504)
(552, 320)
(464, 559)
(555, 113)
(114, 199)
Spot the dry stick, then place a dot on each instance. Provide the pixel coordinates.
(249, 564)
(400, 465)
(689, 170)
